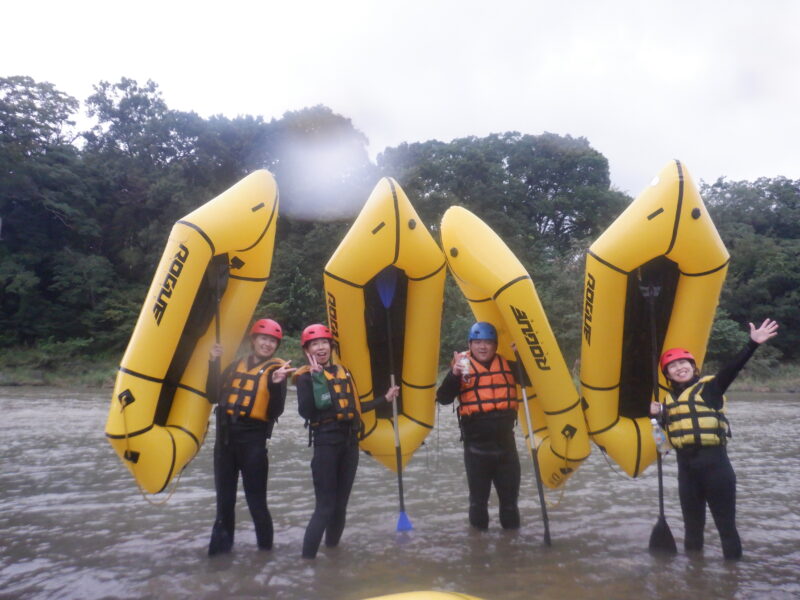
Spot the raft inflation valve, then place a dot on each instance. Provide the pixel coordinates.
(695, 213)
(453, 252)
(412, 223)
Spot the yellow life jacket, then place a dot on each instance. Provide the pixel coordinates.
(489, 389)
(345, 405)
(691, 422)
(246, 391)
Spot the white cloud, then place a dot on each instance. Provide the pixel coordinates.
(713, 83)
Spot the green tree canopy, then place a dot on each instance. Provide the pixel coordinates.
(760, 224)
(84, 224)
(545, 195)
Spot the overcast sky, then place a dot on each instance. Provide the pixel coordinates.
(713, 83)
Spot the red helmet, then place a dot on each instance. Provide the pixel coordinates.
(674, 354)
(267, 327)
(315, 332)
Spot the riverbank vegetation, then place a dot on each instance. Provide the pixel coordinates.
(46, 366)
(85, 214)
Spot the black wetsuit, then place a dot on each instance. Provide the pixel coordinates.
(490, 457)
(333, 466)
(705, 474)
(241, 447)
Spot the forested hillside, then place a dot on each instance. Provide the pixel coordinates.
(85, 213)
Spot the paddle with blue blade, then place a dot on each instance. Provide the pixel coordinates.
(386, 282)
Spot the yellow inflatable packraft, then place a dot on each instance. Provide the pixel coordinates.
(664, 242)
(159, 413)
(499, 290)
(388, 237)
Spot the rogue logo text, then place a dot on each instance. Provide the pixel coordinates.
(588, 305)
(530, 338)
(332, 315)
(165, 293)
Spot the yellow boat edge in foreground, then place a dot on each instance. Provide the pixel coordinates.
(158, 417)
(499, 290)
(668, 220)
(389, 233)
(422, 595)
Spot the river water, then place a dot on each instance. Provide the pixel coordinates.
(74, 524)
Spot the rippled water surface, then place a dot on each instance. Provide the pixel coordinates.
(74, 525)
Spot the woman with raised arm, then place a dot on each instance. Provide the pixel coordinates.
(694, 418)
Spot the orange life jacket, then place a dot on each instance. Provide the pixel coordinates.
(489, 389)
(246, 391)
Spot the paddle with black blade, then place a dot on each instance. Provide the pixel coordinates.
(386, 282)
(661, 539)
(534, 456)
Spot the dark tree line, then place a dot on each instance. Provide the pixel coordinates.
(85, 214)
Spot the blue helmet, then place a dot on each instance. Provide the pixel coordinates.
(482, 331)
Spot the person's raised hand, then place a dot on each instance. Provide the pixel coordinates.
(767, 330)
(283, 372)
(456, 367)
(312, 362)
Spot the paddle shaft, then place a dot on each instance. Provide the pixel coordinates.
(397, 450)
(534, 456)
(217, 301)
(660, 486)
(222, 420)
(650, 292)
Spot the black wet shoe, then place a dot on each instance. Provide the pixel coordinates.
(221, 541)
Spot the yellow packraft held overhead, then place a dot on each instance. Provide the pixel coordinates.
(663, 247)
(500, 291)
(159, 412)
(386, 281)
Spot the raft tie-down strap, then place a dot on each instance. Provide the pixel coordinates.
(125, 398)
(569, 433)
(131, 455)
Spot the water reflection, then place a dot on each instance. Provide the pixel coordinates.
(74, 524)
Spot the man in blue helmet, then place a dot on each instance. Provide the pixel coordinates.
(484, 383)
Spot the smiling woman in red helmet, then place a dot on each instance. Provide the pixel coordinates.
(249, 401)
(694, 416)
(327, 399)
